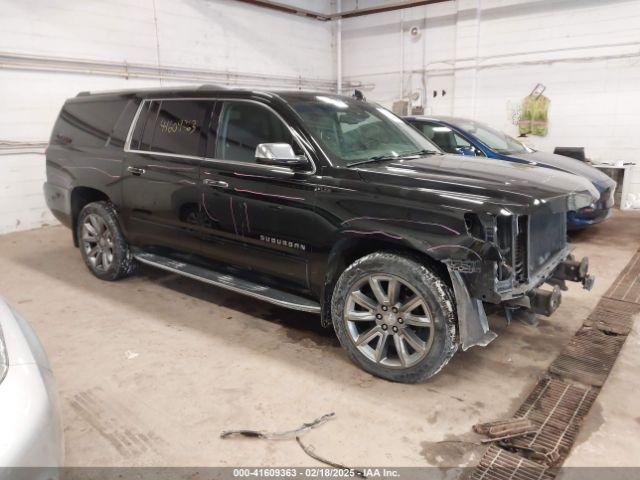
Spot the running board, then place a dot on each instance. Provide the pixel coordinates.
(224, 280)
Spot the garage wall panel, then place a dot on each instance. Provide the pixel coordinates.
(212, 35)
(493, 53)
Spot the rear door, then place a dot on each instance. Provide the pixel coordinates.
(161, 196)
(263, 214)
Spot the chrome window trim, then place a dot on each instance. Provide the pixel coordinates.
(274, 168)
(127, 145)
(164, 154)
(134, 122)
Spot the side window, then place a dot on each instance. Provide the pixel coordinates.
(444, 137)
(172, 126)
(243, 126)
(121, 128)
(87, 123)
(461, 142)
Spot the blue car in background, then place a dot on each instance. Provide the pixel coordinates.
(468, 137)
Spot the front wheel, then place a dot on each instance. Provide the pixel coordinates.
(102, 245)
(394, 317)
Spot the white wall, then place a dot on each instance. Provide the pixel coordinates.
(486, 54)
(199, 41)
(489, 54)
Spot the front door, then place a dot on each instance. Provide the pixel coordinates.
(262, 213)
(161, 194)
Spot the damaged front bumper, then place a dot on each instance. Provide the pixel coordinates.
(473, 289)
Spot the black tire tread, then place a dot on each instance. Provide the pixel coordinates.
(445, 299)
(124, 264)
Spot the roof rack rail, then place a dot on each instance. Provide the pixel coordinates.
(84, 93)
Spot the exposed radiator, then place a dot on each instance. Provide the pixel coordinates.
(520, 263)
(547, 236)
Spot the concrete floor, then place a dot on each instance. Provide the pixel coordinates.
(151, 369)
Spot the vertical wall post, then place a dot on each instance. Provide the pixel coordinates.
(339, 49)
(401, 54)
(477, 60)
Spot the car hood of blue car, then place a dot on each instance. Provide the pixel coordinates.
(567, 164)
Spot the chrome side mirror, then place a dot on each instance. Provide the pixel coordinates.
(280, 154)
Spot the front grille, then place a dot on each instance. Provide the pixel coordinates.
(520, 254)
(528, 242)
(547, 236)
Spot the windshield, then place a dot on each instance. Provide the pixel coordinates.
(493, 139)
(353, 131)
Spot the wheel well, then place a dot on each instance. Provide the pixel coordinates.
(81, 196)
(351, 250)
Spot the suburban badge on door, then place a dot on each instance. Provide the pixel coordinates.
(284, 243)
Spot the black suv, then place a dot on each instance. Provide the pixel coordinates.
(319, 203)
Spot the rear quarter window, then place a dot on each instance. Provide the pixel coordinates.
(87, 123)
(121, 128)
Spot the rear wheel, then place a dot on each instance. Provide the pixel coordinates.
(394, 317)
(102, 245)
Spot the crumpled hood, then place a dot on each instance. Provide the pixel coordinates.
(480, 181)
(568, 164)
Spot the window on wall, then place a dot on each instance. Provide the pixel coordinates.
(172, 126)
(245, 125)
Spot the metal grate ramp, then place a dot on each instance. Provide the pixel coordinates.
(498, 464)
(614, 316)
(589, 357)
(557, 408)
(560, 401)
(627, 286)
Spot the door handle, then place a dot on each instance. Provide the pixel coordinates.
(215, 183)
(136, 171)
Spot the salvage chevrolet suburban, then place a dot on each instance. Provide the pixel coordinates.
(315, 202)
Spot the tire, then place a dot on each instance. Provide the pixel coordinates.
(102, 245)
(417, 346)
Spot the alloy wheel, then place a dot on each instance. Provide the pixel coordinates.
(388, 321)
(97, 242)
